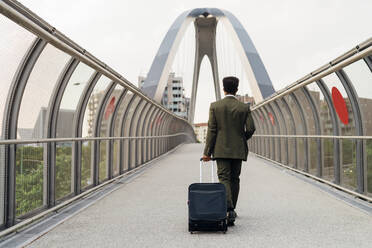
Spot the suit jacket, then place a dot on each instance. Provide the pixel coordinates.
(230, 125)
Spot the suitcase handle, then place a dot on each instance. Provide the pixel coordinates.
(201, 172)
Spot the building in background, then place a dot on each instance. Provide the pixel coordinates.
(246, 99)
(65, 120)
(174, 97)
(201, 131)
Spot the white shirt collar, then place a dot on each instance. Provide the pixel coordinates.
(230, 95)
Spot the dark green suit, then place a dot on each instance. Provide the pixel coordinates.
(230, 125)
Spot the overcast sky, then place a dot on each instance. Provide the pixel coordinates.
(292, 37)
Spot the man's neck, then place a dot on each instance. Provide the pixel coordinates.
(226, 95)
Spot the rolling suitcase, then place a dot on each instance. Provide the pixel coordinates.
(207, 205)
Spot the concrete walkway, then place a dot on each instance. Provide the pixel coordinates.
(276, 209)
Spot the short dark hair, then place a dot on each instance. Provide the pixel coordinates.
(230, 84)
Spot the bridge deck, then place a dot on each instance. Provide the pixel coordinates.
(276, 209)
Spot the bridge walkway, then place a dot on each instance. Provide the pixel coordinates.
(276, 209)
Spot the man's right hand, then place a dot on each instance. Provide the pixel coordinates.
(206, 158)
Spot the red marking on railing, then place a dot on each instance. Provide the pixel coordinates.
(340, 106)
(110, 108)
(271, 117)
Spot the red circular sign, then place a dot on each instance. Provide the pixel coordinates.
(340, 106)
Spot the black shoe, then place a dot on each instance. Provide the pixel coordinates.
(234, 214)
(231, 218)
(229, 223)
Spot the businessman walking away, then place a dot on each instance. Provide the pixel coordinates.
(230, 125)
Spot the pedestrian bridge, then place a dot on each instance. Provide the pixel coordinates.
(87, 159)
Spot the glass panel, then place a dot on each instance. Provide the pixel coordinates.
(146, 133)
(164, 121)
(150, 150)
(310, 117)
(157, 130)
(369, 166)
(333, 83)
(127, 122)
(14, 43)
(116, 157)
(2, 181)
(347, 125)
(308, 113)
(348, 171)
(86, 164)
(255, 144)
(290, 130)
(103, 173)
(109, 109)
(63, 169)
(328, 168)
(32, 115)
(258, 125)
(122, 108)
(135, 128)
(92, 107)
(326, 126)
(70, 99)
(270, 131)
(266, 148)
(140, 131)
(300, 129)
(265, 145)
(296, 114)
(273, 121)
(313, 156)
(311, 130)
(29, 178)
(117, 129)
(283, 131)
(361, 78)
(323, 109)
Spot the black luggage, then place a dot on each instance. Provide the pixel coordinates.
(207, 205)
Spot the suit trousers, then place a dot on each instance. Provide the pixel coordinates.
(228, 171)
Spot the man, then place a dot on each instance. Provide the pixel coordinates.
(230, 125)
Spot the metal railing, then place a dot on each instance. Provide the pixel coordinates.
(39, 211)
(57, 165)
(320, 125)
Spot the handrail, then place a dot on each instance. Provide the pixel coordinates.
(36, 141)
